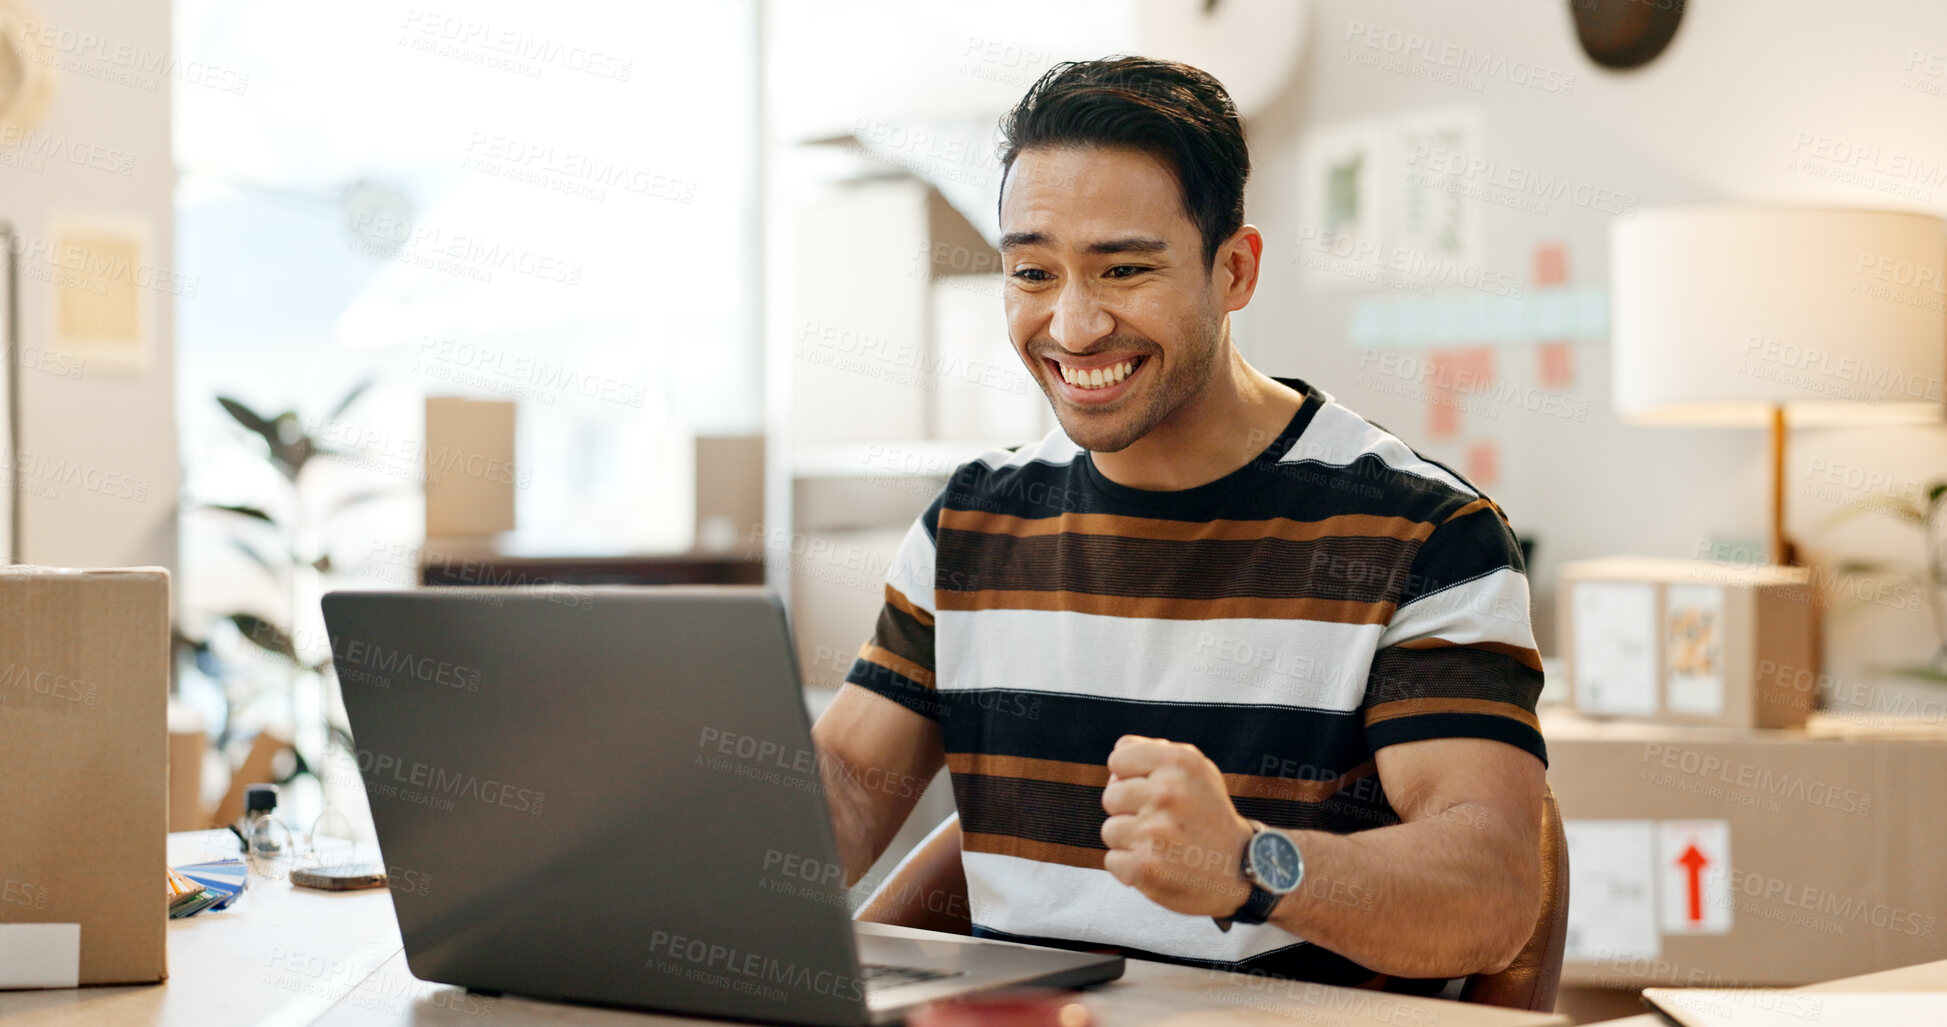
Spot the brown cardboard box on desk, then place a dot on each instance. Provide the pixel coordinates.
(84, 774)
(1734, 857)
(470, 470)
(1691, 642)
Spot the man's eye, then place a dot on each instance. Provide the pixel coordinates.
(1028, 274)
(1131, 269)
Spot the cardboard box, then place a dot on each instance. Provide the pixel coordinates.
(1921, 989)
(729, 492)
(1597, 1005)
(1707, 857)
(84, 775)
(186, 810)
(1690, 642)
(470, 471)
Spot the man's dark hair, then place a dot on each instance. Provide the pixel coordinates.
(1176, 113)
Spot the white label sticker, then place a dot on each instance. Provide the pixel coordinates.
(1693, 649)
(1611, 891)
(40, 955)
(1693, 859)
(1615, 647)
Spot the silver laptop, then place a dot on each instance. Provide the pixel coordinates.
(609, 795)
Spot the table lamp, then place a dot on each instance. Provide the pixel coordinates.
(1750, 316)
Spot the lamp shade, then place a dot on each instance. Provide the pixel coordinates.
(1721, 314)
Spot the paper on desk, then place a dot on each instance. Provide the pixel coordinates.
(1777, 1007)
(217, 883)
(40, 955)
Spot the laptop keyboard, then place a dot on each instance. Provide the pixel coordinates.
(881, 976)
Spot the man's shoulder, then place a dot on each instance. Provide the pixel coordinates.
(1345, 452)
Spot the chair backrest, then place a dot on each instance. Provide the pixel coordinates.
(913, 894)
(1530, 981)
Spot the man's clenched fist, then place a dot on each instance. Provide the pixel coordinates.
(1172, 832)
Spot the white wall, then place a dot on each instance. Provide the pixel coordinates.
(112, 88)
(1718, 117)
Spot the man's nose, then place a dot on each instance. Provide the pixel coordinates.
(1079, 318)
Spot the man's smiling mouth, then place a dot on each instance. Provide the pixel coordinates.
(1089, 379)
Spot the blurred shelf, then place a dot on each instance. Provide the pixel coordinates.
(913, 458)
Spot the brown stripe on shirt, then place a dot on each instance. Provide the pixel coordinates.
(1340, 526)
(1528, 657)
(1027, 848)
(1096, 775)
(1483, 503)
(896, 663)
(1337, 611)
(1422, 707)
(898, 600)
(1364, 569)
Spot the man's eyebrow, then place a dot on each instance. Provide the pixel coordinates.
(1128, 244)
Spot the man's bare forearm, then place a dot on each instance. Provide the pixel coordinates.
(875, 757)
(1464, 907)
(861, 835)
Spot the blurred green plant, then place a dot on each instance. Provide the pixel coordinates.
(285, 536)
(1929, 514)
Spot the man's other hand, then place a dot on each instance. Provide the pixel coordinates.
(1172, 832)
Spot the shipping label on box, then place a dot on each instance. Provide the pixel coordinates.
(1633, 881)
(1611, 890)
(1615, 647)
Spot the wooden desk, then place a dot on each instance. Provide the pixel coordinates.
(288, 956)
(1921, 977)
(281, 956)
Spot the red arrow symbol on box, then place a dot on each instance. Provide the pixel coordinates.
(1694, 861)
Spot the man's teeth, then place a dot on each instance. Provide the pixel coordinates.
(1098, 378)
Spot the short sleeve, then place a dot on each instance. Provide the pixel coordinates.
(898, 662)
(1458, 657)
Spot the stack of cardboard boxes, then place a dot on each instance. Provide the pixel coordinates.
(1721, 833)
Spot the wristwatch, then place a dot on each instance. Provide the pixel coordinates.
(1273, 867)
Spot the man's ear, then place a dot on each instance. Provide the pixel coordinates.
(1237, 266)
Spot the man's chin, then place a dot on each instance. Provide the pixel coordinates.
(1101, 433)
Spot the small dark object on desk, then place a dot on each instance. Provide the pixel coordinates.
(1008, 1007)
(342, 877)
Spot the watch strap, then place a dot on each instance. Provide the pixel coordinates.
(1257, 908)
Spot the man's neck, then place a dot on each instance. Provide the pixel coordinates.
(1211, 435)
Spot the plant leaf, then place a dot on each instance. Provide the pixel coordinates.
(248, 550)
(252, 420)
(257, 513)
(350, 398)
(247, 417)
(266, 635)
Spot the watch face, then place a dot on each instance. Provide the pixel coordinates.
(1274, 858)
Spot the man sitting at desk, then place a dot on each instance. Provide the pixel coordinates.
(1216, 613)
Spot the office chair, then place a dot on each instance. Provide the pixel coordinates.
(928, 890)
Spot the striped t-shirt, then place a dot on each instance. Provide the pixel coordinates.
(1337, 594)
